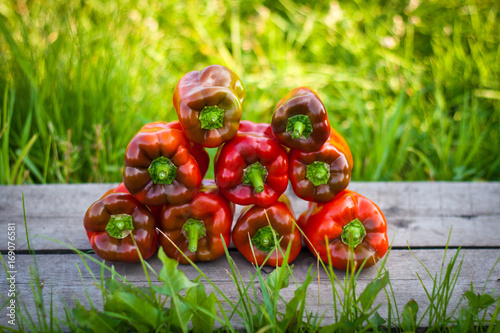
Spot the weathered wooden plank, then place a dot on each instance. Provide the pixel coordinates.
(60, 274)
(418, 213)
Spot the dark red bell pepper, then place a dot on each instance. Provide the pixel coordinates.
(300, 120)
(251, 168)
(199, 229)
(263, 235)
(159, 168)
(111, 221)
(156, 210)
(198, 151)
(320, 175)
(208, 104)
(350, 230)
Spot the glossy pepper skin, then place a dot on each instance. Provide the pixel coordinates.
(159, 168)
(198, 151)
(300, 120)
(199, 228)
(208, 105)
(348, 222)
(111, 220)
(320, 175)
(252, 168)
(156, 210)
(253, 234)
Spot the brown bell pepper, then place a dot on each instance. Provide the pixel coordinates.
(110, 222)
(199, 229)
(159, 168)
(320, 175)
(300, 120)
(198, 151)
(208, 105)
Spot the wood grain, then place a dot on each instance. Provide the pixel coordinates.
(420, 214)
(60, 275)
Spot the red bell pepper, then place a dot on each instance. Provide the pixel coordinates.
(111, 221)
(198, 228)
(348, 227)
(251, 168)
(156, 210)
(320, 175)
(159, 168)
(198, 151)
(300, 120)
(208, 104)
(263, 235)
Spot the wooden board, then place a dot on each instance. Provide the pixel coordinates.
(420, 214)
(61, 276)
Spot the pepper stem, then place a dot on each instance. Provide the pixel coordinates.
(318, 173)
(162, 171)
(211, 117)
(255, 175)
(120, 225)
(298, 129)
(264, 239)
(299, 126)
(353, 233)
(193, 230)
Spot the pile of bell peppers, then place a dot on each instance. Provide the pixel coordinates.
(165, 200)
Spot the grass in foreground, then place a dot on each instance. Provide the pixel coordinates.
(414, 87)
(172, 302)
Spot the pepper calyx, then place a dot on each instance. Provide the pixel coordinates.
(211, 117)
(162, 170)
(318, 173)
(265, 239)
(353, 233)
(299, 126)
(120, 226)
(193, 230)
(255, 175)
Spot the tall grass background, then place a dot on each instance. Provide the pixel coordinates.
(414, 86)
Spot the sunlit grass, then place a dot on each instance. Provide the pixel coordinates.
(413, 86)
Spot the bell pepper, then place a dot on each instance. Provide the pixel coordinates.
(156, 210)
(300, 120)
(208, 105)
(159, 168)
(251, 168)
(350, 230)
(199, 229)
(198, 151)
(110, 222)
(320, 175)
(263, 235)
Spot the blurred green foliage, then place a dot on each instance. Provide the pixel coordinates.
(414, 86)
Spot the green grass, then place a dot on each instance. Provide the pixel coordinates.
(171, 302)
(413, 86)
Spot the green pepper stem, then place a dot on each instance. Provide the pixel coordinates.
(120, 225)
(298, 129)
(264, 239)
(211, 117)
(299, 126)
(193, 230)
(162, 171)
(353, 233)
(255, 175)
(256, 179)
(318, 173)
